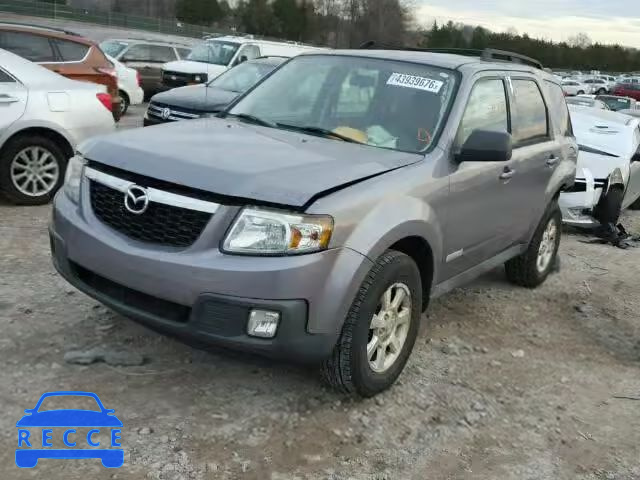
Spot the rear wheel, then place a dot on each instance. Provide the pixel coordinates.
(601, 91)
(124, 103)
(533, 267)
(380, 330)
(31, 169)
(580, 92)
(635, 205)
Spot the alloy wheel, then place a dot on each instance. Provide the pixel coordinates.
(34, 171)
(389, 327)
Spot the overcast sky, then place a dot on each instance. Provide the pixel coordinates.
(606, 21)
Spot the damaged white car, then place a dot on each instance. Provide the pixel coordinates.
(608, 170)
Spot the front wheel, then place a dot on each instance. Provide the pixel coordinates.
(380, 330)
(609, 207)
(532, 268)
(124, 103)
(635, 205)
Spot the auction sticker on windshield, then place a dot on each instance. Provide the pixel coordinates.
(414, 81)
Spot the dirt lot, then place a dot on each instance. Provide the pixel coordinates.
(504, 383)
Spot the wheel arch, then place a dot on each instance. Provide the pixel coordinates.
(420, 251)
(58, 138)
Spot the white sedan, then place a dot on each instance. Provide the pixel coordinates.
(131, 93)
(573, 87)
(608, 169)
(43, 116)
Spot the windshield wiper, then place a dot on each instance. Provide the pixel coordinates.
(325, 132)
(253, 119)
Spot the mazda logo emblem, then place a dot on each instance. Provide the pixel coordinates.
(166, 113)
(136, 200)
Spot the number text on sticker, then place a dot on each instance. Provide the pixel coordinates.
(413, 81)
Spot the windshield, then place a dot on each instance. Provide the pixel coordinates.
(65, 402)
(242, 77)
(216, 52)
(381, 103)
(616, 103)
(113, 48)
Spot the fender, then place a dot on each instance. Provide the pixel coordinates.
(21, 126)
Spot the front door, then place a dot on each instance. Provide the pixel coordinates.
(479, 208)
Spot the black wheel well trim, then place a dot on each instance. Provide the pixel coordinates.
(124, 94)
(46, 132)
(418, 248)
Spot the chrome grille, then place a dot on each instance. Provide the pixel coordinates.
(166, 113)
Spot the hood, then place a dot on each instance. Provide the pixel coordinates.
(69, 418)
(610, 132)
(196, 97)
(244, 161)
(187, 66)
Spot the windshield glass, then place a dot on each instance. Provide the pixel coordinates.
(585, 102)
(216, 52)
(242, 77)
(113, 47)
(616, 103)
(381, 103)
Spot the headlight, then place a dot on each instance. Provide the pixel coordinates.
(73, 177)
(269, 232)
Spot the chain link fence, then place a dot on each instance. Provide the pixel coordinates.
(112, 19)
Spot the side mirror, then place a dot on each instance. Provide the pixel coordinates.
(486, 146)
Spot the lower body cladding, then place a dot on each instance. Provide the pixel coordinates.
(209, 297)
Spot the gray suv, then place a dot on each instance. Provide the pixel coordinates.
(319, 215)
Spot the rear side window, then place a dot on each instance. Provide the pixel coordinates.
(139, 53)
(560, 110)
(32, 47)
(183, 52)
(71, 51)
(486, 110)
(5, 77)
(161, 54)
(529, 119)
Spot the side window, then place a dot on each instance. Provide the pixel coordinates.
(138, 53)
(5, 77)
(32, 47)
(248, 51)
(161, 54)
(559, 105)
(183, 52)
(357, 91)
(71, 51)
(486, 110)
(529, 119)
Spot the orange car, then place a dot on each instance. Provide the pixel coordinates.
(63, 52)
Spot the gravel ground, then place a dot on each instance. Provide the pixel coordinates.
(504, 383)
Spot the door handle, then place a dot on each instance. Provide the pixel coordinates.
(8, 99)
(552, 161)
(507, 174)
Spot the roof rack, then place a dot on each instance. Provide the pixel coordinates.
(488, 54)
(41, 27)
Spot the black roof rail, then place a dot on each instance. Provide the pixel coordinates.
(488, 54)
(41, 27)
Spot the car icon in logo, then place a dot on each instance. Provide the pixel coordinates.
(36, 433)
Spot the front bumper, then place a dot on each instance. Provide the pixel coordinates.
(206, 295)
(577, 206)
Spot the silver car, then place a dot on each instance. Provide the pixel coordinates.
(43, 116)
(319, 216)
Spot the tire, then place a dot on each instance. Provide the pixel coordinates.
(581, 92)
(601, 91)
(8, 164)
(349, 368)
(610, 206)
(124, 103)
(635, 205)
(525, 270)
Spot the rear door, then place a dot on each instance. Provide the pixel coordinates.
(158, 56)
(13, 100)
(536, 153)
(70, 61)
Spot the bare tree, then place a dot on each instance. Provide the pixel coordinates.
(580, 40)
